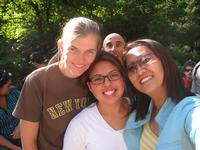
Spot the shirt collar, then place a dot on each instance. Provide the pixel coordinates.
(164, 112)
(161, 117)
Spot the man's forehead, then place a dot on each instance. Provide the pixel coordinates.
(115, 39)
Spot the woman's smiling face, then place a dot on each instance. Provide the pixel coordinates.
(145, 70)
(111, 89)
(78, 55)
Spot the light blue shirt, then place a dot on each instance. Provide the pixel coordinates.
(179, 126)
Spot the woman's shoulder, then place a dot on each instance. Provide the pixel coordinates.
(190, 101)
(186, 105)
(85, 115)
(41, 73)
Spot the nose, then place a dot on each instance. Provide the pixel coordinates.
(107, 81)
(140, 69)
(113, 48)
(80, 58)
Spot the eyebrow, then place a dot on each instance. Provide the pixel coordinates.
(138, 58)
(99, 74)
(109, 43)
(119, 42)
(72, 46)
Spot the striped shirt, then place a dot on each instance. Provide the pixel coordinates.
(148, 139)
(7, 121)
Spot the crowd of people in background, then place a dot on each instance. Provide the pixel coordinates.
(94, 95)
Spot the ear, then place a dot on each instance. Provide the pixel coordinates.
(60, 45)
(60, 49)
(89, 86)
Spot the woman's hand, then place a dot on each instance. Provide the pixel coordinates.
(16, 133)
(17, 148)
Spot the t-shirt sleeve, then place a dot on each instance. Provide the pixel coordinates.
(192, 126)
(29, 105)
(75, 136)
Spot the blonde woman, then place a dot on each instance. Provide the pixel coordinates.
(53, 95)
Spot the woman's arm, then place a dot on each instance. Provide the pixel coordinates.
(16, 133)
(29, 134)
(7, 144)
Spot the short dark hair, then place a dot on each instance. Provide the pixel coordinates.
(189, 63)
(172, 76)
(37, 57)
(4, 77)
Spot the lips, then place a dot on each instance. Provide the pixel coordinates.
(145, 79)
(79, 66)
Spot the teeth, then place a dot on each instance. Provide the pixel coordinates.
(79, 66)
(109, 92)
(145, 79)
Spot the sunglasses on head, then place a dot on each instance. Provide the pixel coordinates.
(187, 70)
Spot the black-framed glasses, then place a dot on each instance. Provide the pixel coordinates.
(143, 61)
(100, 79)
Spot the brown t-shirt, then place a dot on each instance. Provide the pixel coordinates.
(50, 98)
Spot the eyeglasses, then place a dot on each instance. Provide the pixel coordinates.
(100, 79)
(188, 70)
(144, 60)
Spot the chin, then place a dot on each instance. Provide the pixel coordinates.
(77, 73)
(145, 91)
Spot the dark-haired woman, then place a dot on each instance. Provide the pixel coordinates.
(166, 117)
(9, 125)
(100, 126)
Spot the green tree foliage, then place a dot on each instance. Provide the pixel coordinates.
(35, 25)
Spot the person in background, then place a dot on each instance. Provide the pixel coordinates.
(196, 79)
(187, 74)
(51, 96)
(100, 125)
(9, 125)
(37, 60)
(115, 44)
(166, 115)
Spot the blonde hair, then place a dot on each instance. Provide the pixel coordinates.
(79, 26)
